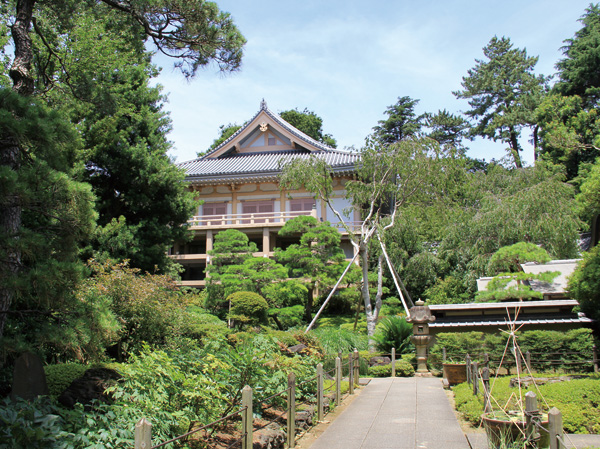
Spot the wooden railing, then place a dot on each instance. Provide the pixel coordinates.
(235, 220)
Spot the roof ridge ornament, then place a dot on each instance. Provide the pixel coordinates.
(263, 104)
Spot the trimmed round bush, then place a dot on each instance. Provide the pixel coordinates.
(248, 308)
(59, 377)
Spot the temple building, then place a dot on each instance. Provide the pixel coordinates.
(238, 182)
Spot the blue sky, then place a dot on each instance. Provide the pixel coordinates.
(348, 60)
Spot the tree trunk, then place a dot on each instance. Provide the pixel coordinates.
(10, 157)
(309, 303)
(371, 318)
(514, 149)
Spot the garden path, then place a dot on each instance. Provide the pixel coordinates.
(396, 413)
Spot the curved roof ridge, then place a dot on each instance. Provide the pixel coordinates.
(277, 118)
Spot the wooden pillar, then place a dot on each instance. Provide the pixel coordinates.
(247, 417)
(595, 358)
(291, 418)
(468, 363)
(555, 429)
(351, 373)
(356, 366)
(319, 392)
(143, 434)
(209, 240)
(393, 362)
(475, 378)
(266, 242)
(485, 378)
(532, 435)
(338, 381)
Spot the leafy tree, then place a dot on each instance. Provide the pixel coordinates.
(588, 198)
(226, 132)
(196, 33)
(504, 207)
(447, 128)
(409, 171)
(402, 122)
(310, 124)
(46, 219)
(315, 259)
(503, 92)
(506, 263)
(569, 132)
(584, 283)
(579, 71)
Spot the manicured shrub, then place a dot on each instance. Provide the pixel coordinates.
(248, 308)
(403, 369)
(288, 316)
(577, 400)
(569, 347)
(59, 377)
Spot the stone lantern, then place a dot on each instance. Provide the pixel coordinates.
(420, 316)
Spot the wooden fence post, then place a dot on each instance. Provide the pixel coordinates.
(291, 418)
(338, 381)
(595, 356)
(356, 366)
(143, 434)
(555, 429)
(444, 354)
(532, 435)
(320, 392)
(468, 362)
(351, 372)
(393, 362)
(486, 360)
(247, 417)
(475, 378)
(485, 378)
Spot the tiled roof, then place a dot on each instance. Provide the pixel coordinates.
(277, 118)
(526, 320)
(263, 164)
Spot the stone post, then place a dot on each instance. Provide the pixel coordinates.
(420, 316)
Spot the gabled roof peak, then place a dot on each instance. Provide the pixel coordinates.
(292, 133)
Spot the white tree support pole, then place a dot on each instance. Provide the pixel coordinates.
(312, 323)
(393, 271)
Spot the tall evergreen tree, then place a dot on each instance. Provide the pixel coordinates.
(195, 32)
(310, 124)
(402, 122)
(579, 70)
(503, 92)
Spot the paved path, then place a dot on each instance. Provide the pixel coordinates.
(396, 413)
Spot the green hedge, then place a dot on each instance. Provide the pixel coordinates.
(59, 377)
(403, 369)
(574, 346)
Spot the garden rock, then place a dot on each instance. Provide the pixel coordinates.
(29, 379)
(304, 418)
(271, 437)
(379, 361)
(297, 349)
(88, 387)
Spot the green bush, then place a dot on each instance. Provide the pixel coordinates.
(403, 369)
(60, 376)
(333, 340)
(248, 308)
(577, 400)
(393, 332)
(288, 316)
(573, 346)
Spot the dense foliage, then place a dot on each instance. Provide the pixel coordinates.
(576, 399)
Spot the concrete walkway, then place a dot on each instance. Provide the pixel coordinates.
(396, 413)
